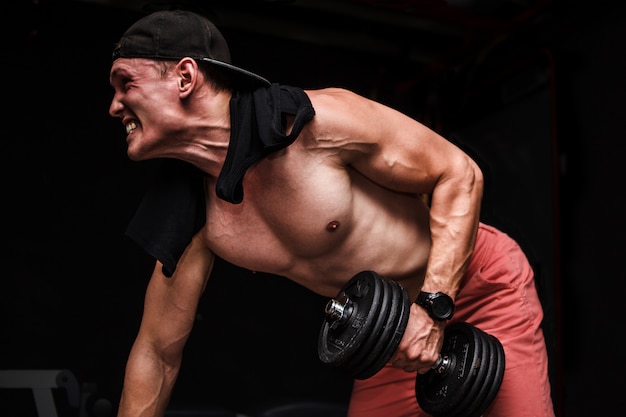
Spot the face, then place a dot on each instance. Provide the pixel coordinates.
(147, 103)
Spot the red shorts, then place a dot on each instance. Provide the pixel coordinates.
(497, 295)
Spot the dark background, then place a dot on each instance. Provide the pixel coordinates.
(534, 90)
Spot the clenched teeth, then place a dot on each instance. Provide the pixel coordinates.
(130, 127)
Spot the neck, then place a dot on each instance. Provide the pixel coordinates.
(207, 129)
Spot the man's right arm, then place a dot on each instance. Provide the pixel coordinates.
(170, 308)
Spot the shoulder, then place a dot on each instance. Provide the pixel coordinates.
(336, 117)
(345, 118)
(337, 101)
(332, 93)
(344, 108)
(346, 125)
(341, 112)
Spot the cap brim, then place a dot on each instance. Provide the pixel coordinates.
(241, 77)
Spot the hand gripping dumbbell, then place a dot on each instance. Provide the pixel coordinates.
(363, 327)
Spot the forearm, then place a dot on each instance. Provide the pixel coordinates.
(169, 313)
(454, 217)
(148, 383)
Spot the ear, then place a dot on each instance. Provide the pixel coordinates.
(187, 73)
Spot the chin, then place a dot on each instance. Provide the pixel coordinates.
(132, 157)
(135, 154)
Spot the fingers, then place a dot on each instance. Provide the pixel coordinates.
(415, 365)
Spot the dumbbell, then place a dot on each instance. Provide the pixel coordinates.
(363, 327)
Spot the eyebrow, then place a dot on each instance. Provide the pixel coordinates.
(113, 74)
(117, 72)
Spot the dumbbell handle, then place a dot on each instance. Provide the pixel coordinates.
(338, 311)
(442, 364)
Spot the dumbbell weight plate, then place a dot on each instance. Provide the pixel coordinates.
(495, 374)
(360, 364)
(473, 401)
(339, 339)
(436, 393)
(394, 329)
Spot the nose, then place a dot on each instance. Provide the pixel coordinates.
(115, 109)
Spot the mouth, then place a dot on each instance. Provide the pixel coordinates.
(130, 127)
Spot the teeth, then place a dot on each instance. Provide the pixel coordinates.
(130, 127)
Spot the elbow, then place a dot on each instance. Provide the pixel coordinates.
(467, 177)
(477, 178)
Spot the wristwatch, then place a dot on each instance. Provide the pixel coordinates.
(438, 305)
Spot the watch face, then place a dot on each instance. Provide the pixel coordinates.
(439, 305)
(442, 307)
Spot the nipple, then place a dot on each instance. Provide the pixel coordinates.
(332, 226)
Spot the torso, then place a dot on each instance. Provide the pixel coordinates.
(308, 218)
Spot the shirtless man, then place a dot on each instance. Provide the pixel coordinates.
(334, 188)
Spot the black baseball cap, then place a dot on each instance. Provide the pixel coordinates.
(175, 34)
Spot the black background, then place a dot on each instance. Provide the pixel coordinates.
(72, 284)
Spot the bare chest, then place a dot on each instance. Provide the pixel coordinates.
(287, 214)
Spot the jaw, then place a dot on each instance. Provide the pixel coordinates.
(142, 146)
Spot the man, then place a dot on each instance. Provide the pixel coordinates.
(315, 186)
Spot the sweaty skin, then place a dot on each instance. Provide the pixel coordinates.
(344, 197)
